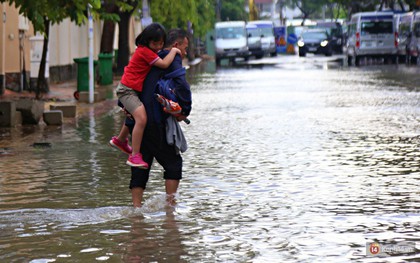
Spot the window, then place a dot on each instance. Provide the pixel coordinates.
(416, 29)
(230, 32)
(404, 30)
(376, 27)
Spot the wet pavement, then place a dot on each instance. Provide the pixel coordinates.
(62, 91)
(290, 160)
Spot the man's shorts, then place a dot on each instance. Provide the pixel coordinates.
(128, 97)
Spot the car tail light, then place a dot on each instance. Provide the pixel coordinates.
(396, 39)
(358, 40)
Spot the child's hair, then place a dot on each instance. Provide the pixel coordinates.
(153, 32)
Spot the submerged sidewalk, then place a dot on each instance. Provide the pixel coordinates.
(62, 91)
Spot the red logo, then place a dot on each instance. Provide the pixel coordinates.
(374, 248)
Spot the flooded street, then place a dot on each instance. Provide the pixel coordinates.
(291, 160)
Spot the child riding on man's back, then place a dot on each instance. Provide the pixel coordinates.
(148, 43)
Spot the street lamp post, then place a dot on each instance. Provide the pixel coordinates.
(90, 36)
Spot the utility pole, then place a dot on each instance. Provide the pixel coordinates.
(218, 10)
(91, 78)
(146, 19)
(281, 3)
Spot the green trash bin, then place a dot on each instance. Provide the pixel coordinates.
(105, 68)
(83, 73)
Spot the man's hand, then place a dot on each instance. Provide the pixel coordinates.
(181, 117)
(177, 50)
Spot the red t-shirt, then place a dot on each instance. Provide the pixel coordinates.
(138, 67)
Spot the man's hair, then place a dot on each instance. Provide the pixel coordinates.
(175, 35)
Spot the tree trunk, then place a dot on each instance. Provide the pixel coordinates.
(107, 39)
(305, 16)
(401, 5)
(42, 84)
(123, 47)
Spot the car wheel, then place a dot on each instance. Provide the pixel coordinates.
(394, 59)
(413, 60)
(357, 61)
(302, 53)
(349, 60)
(407, 59)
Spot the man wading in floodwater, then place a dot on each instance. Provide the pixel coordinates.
(154, 143)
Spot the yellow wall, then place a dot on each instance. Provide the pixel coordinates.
(12, 56)
(2, 40)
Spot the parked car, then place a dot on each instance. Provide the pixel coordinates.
(408, 26)
(314, 41)
(335, 32)
(254, 41)
(371, 34)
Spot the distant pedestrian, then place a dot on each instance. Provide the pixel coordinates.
(148, 42)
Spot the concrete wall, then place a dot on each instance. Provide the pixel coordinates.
(69, 41)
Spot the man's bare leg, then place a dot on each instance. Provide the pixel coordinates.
(171, 186)
(137, 196)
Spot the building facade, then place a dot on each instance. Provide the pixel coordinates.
(15, 31)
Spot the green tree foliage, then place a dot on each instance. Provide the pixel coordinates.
(206, 17)
(54, 11)
(233, 10)
(174, 14)
(171, 14)
(309, 8)
(197, 15)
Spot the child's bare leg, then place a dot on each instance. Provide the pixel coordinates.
(124, 132)
(137, 135)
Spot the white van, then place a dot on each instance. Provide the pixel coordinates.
(371, 34)
(231, 40)
(254, 41)
(268, 40)
(409, 36)
(404, 25)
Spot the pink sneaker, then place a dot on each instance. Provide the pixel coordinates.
(137, 161)
(123, 146)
